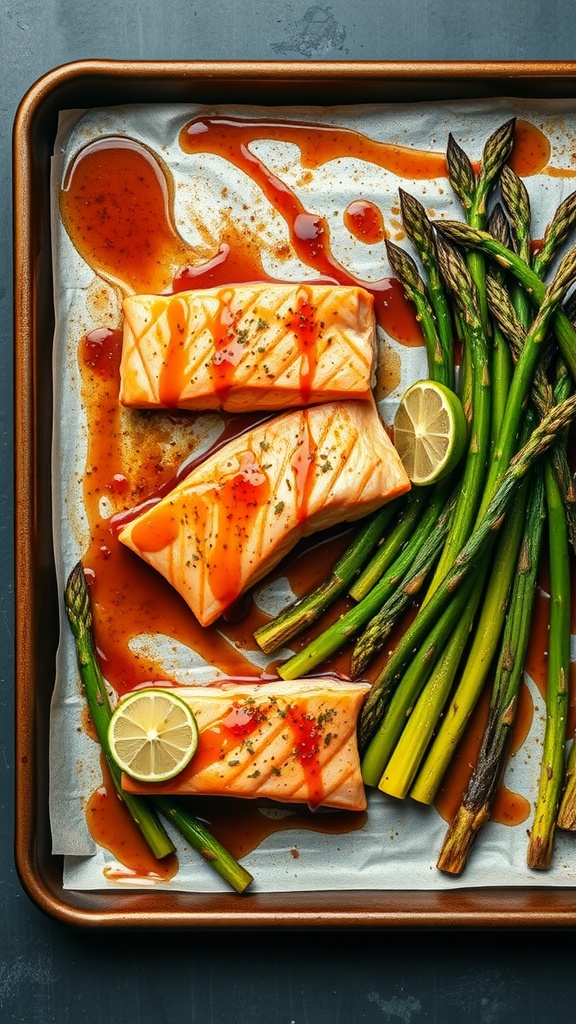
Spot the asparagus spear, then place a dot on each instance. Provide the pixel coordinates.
(469, 687)
(200, 839)
(387, 552)
(298, 616)
(462, 234)
(541, 841)
(541, 395)
(77, 601)
(465, 295)
(567, 811)
(411, 742)
(430, 530)
(540, 845)
(474, 190)
(517, 201)
(474, 808)
(421, 233)
(142, 809)
(461, 174)
(406, 271)
(380, 626)
(501, 360)
(485, 530)
(557, 232)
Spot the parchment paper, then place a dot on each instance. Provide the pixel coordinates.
(398, 847)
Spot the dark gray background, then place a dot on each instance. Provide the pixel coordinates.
(49, 972)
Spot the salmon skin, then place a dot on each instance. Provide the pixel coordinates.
(293, 742)
(238, 513)
(248, 347)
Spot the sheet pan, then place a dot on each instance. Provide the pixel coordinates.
(95, 84)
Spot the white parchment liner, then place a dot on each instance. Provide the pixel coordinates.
(398, 847)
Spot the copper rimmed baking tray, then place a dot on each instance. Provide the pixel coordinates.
(88, 84)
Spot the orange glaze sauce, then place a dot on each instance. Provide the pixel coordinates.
(508, 807)
(112, 827)
(306, 328)
(115, 204)
(236, 726)
(365, 221)
(309, 232)
(241, 825)
(530, 151)
(128, 597)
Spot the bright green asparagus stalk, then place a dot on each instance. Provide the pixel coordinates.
(390, 548)
(541, 394)
(77, 601)
(465, 296)
(430, 531)
(474, 191)
(540, 845)
(497, 149)
(298, 616)
(517, 201)
(541, 842)
(374, 636)
(462, 234)
(200, 839)
(557, 232)
(501, 361)
(410, 747)
(475, 805)
(421, 233)
(406, 271)
(487, 527)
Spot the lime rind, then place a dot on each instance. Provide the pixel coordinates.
(430, 432)
(153, 735)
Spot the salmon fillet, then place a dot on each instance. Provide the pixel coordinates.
(294, 742)
(236, 515)
(248, 347)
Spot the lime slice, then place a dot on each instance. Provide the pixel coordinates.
(152, 734)
(430, 431)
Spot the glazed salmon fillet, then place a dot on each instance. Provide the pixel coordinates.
(294, 742)
(248, 347)
(236, 515)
